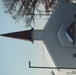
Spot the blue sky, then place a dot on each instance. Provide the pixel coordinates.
(15, 54)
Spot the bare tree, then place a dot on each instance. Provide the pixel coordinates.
(25, 9)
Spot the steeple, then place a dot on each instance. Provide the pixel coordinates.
(23, 35)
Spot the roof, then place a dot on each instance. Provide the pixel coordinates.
(23, 35)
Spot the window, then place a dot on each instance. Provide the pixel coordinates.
(74, 55)
(74, 15)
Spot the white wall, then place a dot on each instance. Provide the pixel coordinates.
(63, 14)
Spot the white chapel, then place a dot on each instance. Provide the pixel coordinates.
(59, 37)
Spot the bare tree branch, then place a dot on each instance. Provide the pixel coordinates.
(25, 9)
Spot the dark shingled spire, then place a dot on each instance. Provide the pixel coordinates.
(25, 35)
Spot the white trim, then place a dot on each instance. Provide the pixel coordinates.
(58, 35)
(68, 37)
